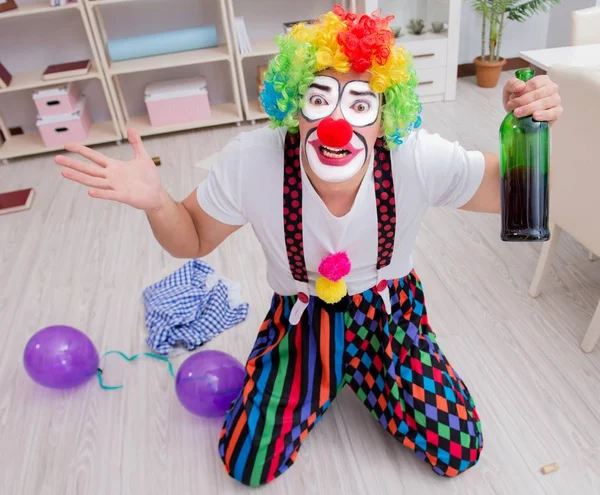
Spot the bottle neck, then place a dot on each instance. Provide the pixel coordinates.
(524, 74)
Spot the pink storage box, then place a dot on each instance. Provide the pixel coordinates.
(58, 130)
(58, 100)
(177, 102)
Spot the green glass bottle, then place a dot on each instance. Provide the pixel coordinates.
(524, 156)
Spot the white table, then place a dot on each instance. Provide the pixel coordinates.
(578, 56)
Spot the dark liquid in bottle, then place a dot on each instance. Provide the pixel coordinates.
(525, 205)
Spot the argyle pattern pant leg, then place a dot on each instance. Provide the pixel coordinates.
(398, 371)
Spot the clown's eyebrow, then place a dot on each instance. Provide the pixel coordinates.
(320, 86)
(353, 92)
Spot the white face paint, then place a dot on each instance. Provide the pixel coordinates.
(359, 106)
(321, 99)
(330, 168)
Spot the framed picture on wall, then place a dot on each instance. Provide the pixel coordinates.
(7, 5)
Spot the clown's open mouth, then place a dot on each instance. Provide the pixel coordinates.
(334, 157)
(334, 152)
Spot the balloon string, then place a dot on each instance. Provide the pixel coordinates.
(131, 358)
(105, 387)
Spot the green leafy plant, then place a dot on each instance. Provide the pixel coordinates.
(495, 13)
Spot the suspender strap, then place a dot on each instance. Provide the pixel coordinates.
(386, 203)
(292, 208)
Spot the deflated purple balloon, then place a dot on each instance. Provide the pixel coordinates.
(60, 357)
(208, 382)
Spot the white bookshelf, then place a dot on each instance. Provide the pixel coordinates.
(435, 55)
(262, 29)
(224, 113)
(33, 79)
(181, 59)
(261, 48)
(106, 2)
(41, 7)
(30, 143)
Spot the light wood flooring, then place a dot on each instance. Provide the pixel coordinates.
(77, 261)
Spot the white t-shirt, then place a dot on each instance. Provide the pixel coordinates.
(246, 185)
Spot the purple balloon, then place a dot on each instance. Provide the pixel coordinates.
(208, 382)
(60, 357)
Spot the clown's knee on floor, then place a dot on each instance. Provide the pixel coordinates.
(243, 472)
(252, 471)
(457, 459)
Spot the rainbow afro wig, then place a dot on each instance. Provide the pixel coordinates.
(343, 41)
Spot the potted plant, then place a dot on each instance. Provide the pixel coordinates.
(494, 14)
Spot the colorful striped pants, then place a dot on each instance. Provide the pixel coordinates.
(392, 363)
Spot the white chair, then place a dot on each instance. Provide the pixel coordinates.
(585, 29)
(575, 198)
(585, 26)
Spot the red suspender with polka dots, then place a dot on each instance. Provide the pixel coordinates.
(386, 203)
(292, 206)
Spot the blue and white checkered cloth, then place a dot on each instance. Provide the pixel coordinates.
(190, 307)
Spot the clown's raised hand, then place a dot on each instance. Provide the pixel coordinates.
(136, 182)
(538, 97)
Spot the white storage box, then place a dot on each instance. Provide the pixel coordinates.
(177, 102)
(59, 130)
(58, 100)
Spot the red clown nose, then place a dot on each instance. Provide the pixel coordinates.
(334, 133)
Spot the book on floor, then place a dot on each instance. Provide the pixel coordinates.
(14, 201)
(7, 5)
(57, 71)
(5, 77)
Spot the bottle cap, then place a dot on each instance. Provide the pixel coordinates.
(525, 74)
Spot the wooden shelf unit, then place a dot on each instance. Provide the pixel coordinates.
(221, 113)
(30, 143)
(41, 7)
(224, 113)
(33, 79)
(260, 48)
(435, 55)
(106, 2)
(255, 111)
(180, 59)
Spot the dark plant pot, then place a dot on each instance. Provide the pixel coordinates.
(488, 73)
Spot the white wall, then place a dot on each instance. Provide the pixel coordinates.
(560, 21)
(405, 10)
(528, 35)
(540, 31)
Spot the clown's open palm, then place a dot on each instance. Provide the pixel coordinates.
(135, 183)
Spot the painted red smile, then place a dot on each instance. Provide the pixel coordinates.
(334, 157)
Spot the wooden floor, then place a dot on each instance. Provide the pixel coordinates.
(76, 261)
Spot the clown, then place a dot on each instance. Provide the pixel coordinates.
(335, 192)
